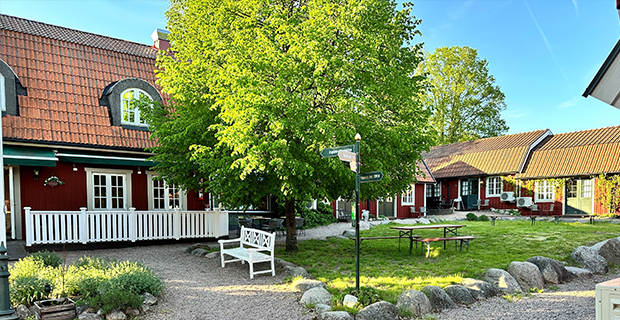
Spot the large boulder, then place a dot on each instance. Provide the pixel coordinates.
(589, 258)
(527, 275)
(89, 316)
(281, 263)
(415, 302)
(579, 273)
(303, 285)
(381, 310)
(295, 271)
(322, 308)
(200, 252)
(315, 296)
(551, 270)
(335, 315)
(438, 297)
(364, 225)
(459, 294)
(480, 289)
(610, 250)
(503, 280)
(116, 315)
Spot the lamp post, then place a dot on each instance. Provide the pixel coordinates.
(6, 312)
(357, 212)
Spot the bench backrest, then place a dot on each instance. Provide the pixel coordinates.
(257, 238)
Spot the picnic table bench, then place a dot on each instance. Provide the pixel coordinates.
(387, 237)
(427, 241)
(251, 243)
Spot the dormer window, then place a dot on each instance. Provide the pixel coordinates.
(121, 98)
(130, 111)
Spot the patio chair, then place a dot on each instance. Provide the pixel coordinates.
(280, 227)
(548, 211)
(299, 225)
(422, 211)
(270, 226)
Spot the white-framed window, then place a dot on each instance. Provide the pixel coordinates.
(2, 90)
(130, 114)
(163, 196)
(408, 196)
(544, 191)
(108, 189)
(494, 186)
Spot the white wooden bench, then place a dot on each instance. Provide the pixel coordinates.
(251, 243)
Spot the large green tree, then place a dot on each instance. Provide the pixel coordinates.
(259, 87)
(464, 101)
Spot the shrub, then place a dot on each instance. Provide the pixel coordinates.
(113, 300)
(471, 217)
(483, 218)
(314, 218)
(26, 290)
(49, 259)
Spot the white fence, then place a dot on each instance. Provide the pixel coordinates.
(51, 227)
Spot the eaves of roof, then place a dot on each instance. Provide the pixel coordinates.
(601, 72)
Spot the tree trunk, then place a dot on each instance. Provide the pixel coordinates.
(291, 230)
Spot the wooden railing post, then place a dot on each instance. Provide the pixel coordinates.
(176, 218)
(29, 227)
(222, 223)
(133, 224)
(83, 225)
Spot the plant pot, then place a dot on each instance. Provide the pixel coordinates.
(52, 183)
(57, 309)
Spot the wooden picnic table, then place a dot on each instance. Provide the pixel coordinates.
(407, 231)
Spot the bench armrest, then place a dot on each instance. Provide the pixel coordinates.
(229, 240)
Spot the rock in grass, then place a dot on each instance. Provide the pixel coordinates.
(459, 294)
(349, 301)
(480, 289)
(551, 270)
(589, 258)
(315, 296)
(438, 297)
(335, 315)
(303, 285)
(503, 280)
(414, 301)
(381, 310)
(579, 273)
(610, 250)
(116, 315)
(527, 275)
(322, 308)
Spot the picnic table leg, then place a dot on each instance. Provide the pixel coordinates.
(533, 218)
(411, 241)
(493, 220)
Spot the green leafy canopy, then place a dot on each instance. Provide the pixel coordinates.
(259, 88)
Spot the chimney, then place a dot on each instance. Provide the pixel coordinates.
(160, 39)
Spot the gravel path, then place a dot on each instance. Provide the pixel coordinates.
(200, 289)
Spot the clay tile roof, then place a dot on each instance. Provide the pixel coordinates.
(65, 72)
(426, 176)
(490, 156)
(581, 153)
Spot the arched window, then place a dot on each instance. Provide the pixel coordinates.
(129, 108)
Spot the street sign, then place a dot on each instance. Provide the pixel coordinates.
(333, 152)
(353, 166)
(347, 156)
(374, 176)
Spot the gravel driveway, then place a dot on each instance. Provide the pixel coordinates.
(198, 288)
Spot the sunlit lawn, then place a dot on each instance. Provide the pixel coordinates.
(393, 271)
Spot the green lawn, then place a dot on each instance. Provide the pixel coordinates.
(392, 272)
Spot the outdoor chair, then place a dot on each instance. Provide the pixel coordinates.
(270, 226)
(280, 227)
(548, 211)
(299, 225)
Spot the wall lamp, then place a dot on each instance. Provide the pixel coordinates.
(74, 168)
(36, 173)
(139, 171)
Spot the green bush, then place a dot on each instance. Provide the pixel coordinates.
(471, 217)
(49, 259)
(113, 300)
(105, 284)
(483, 218)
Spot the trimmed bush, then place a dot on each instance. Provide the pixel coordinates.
(471, 217)
(483, 218)
(49, 259)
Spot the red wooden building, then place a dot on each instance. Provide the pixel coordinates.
(68, 114)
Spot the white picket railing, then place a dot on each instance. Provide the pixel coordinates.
(52, 227)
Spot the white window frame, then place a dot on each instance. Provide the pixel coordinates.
(546, 190)
(90, 187)
(488, 186)
(137, 119)
(151, 176)
(2, 93)
(408, 197)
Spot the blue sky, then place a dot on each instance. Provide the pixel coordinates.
(542, 53)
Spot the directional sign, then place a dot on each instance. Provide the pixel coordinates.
(374, 176)
(353, 166)
(333, 152)
(347, 156)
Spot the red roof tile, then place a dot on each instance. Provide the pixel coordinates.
(581, 153)
(65, 72)
(490, 156)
